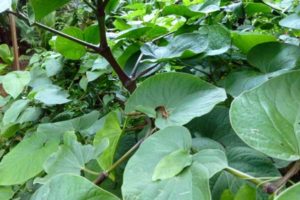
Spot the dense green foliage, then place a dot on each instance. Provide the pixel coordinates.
(144, 100)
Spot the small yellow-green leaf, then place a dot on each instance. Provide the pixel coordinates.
(111, 130)
(172, 164)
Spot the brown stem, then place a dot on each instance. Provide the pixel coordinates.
(127, 82)
(13, 31)
(101, 23)
(106, 52)
(273, 187)
(101, 178)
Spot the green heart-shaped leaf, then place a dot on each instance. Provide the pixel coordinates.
(174, 98)
(274, 56)
(16, 167)
(265, 117)
(172, 143)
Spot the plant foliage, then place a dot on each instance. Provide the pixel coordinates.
(144, 100)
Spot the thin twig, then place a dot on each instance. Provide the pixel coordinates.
(135, 68)
(244, 176)
(84, 43)
(142, 73)
(275, 186)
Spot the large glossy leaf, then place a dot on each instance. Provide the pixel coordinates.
(15, 82)
(210, 40)
(68, 48)
(44, 7)
(265, 117)
(71, 187)
(26, 159)
(246, 40)
(274, 56)
(190, 184)
(183, 45)
(174, 98)
(5, 5)
(110, 130)
(290, 193)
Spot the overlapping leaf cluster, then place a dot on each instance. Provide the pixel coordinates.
(215, 114)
